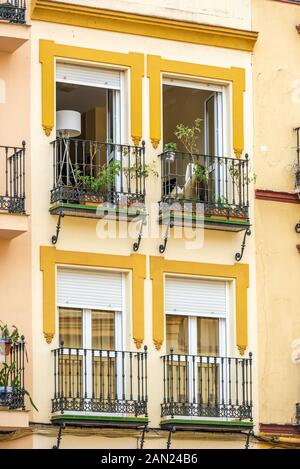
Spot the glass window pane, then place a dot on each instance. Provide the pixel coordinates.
(177, 333)
(208, 336)
(70, 327)
(103, 330)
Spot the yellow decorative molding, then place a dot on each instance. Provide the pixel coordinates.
(242, 349)
(238, 272)
(158, 344)
(50, 50)
(156, 66)
(48, 337)
(50, 257)
(141, 25)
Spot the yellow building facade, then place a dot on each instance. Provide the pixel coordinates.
(276, 109)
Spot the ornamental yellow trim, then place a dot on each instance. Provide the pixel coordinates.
(50, 51)
(141, 25)
(50, 257)
(237, 272)
(156, 66)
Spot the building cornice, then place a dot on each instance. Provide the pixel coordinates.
(129, 23)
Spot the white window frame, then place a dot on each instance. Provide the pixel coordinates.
(192, 336)
(212, 86)
(120, 335)
(122, 100)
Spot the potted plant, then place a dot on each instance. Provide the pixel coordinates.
(10, 386)
(296, 171)
(170, 149)
(10, 374)
(238, 177)
(137, 171)
(8, 338)
(96, 187)
(196, 174)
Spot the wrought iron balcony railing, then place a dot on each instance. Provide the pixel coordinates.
(13, 11)
(104, 381)
(90, 172)
(12, 369)
(221, 184)
(12, 179)
(207, 386)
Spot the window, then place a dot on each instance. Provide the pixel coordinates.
(196, 312)
(192, 335)
(88, 329)
(90, 308)
(96, 94)
(90, 128)
(184, 102)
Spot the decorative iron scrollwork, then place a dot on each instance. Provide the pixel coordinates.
(62, 426)
(145, 430)
(136, 245)
(171, 430)
(162, 247)
(239, 255)
(54, 238)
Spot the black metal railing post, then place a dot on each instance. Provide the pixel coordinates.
(12, 179)
(105, 381)
(12, 371)
(92, 172)
(213, 387)
(13, 11)
(220, 183)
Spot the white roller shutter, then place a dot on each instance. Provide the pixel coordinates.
(89, 76)
(90, 289)
(195, 296)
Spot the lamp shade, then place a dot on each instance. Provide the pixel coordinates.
(68, 123)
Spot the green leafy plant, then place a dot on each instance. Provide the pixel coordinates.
(201, 173)
(222, 201)
(9, 336)
(100, 182)
(170, 147)
(236, 172)
(140, 170)
(10, 377)
(189, 137)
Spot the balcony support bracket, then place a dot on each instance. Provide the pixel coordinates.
(136, 245)
(239, 255)
(145, 430)
(162, 247)
(250, 433)
(169, 441)
(54, 238)
(62, 426)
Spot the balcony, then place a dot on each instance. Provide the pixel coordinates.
(14, 31)
(94, 179)
(13, 11)
(13, 220)
(104, 386)
(12, 390)
(207, 391)
(206, 189)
